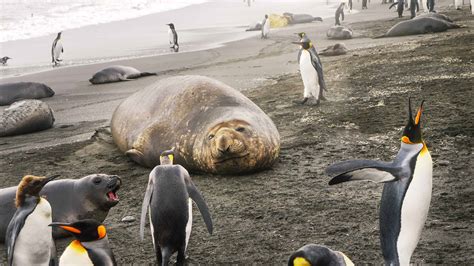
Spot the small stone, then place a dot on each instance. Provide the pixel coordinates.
(443, 162)
(128, 219)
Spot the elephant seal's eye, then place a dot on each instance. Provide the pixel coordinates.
(240, 129)
(97, 181)
(210, 136)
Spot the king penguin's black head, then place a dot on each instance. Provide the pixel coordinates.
(167, 157)
(412, 131)
(84, 230)
(301, 34)
(312, 254)
(305, 42)
(171, 25)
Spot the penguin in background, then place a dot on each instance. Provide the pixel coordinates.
(311, 71)
(406, 194)
(173, 37)
(265, 27)
(340, 13)
(29, 239)
(168, 201)
(400, 6)
(4, 60)
(91, 246)
(317, 255)
(57, 49)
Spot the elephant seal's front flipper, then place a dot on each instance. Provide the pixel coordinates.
(136, 156)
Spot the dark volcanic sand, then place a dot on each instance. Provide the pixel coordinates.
(262, 218)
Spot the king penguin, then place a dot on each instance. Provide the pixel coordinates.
(168, 201)
(406, 194)
(29, 239)
(173, 37)
(91, 246)
(4, 60)
(265, 27)
(311, 71)
(57, 49)
(316, 255)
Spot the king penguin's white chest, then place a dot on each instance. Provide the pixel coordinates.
(415, 206)
(308, 72)
(171, 36)
(75, 254)
(34, 242)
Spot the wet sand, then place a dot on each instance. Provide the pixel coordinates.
(263, 217)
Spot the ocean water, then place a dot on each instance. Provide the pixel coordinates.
(24, 19)
(98, 31)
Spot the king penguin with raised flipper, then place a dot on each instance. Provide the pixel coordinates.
(29, 239)
(168, 201)
(406, 194)
(57, 49)
(316, 255)
(91, 246)
(173, 37)
(311, 71)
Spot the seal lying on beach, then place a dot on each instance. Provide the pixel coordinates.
(254, 26)
(12, 92)
(212, 127)
(300, 18)
(419, 26)
(339, 33)
(118, 73)
(336, 49)
(25, 117)
(89, 197)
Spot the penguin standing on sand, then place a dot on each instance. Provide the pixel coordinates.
(168, 201)
(91, 246)
(29, 239)
(57, 49)
(311, 71)
(4, 60)
(340, 13)
(173, 37)
(314, 255)
(265, 27)
(406, 194)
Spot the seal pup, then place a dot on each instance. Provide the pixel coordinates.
(89, 197)
(333, 50)
(214, 128)
(118, 73)
(167, 199)
(173, 38)
(339, 33)
(29, 240)
(91, 246)
(265, 27)
(406, 194)
(416, 26)
(311, 71)
(314, 255)
(4, 60)
(12, 92)
(26, 117)
(57, 49)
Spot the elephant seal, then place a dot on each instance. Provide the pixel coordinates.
(12, 92)
(254, 26)
(25, 117)
(212, 127)
(300, 18)
(435, 15)
(419, 26)
(117, 73)
(90, 197)
(336, 49)
(339, 33)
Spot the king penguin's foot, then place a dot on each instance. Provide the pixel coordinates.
(305, 99)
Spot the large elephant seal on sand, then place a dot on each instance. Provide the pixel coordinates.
(12, 92)
(419, 26)
(25, 117)
(118, 73)
(90, 197)
(212, 127)
(336, 49)
(300, 18)
(339, 33)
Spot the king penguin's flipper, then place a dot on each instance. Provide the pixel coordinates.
(53, 261)
(196, 196)
(392, 5)
(374, 171)
(145, 204)
(316, 62)
(16, 224)
(136, 156)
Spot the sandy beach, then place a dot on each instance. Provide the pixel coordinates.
(263, 217)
